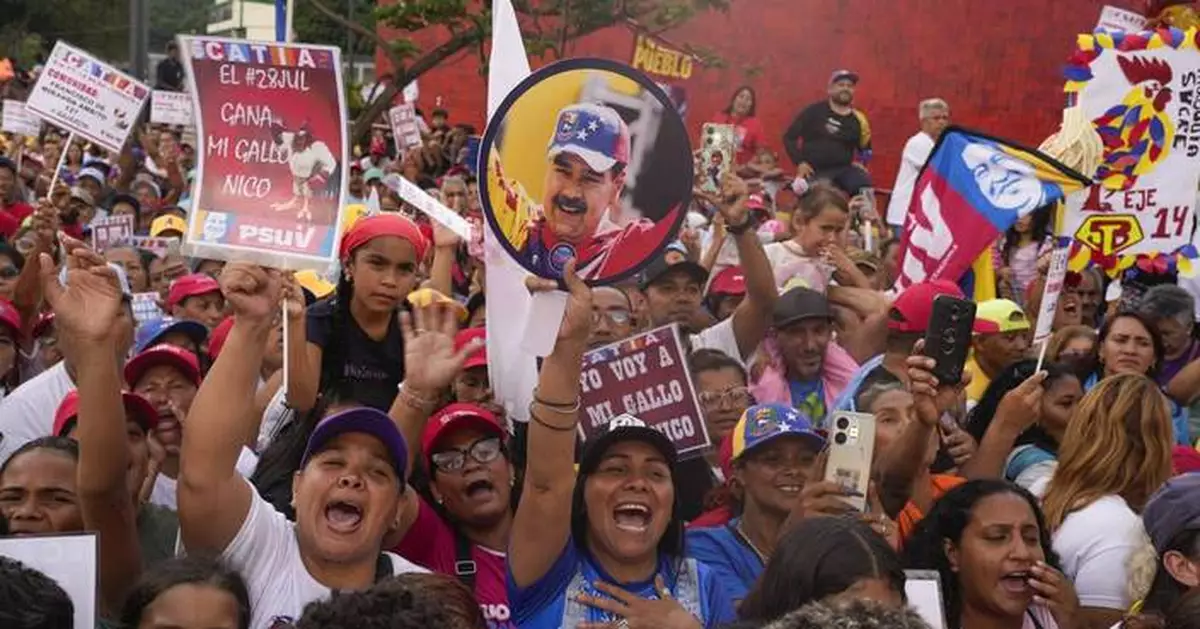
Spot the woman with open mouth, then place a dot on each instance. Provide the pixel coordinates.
(605, 548)
(989, 543)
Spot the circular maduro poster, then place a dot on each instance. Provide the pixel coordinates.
(586, 159)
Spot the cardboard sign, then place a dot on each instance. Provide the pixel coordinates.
(167, 107)
(19, 120)
(111, 231)
(404, 126)
(157, 245)
(271, 177)
(70, 560)
(1054, 285)
(645, 376)
(88, 97)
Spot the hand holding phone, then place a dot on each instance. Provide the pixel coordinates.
(851, 448)
(948, 337)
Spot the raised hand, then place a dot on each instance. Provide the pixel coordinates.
(293, 296)
(1021, 407)
(87, 308)
(1055, 591)
(252, 291)
(640, 613)
(430, 361)
(577, 319)
(931, 398)
(45, 222)
(732, 203)
(444, 237)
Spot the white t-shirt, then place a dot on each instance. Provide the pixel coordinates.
(267, 555)
(163, 493)
(28, 412)
(719, 337)
(1095, 544)
(916, 152)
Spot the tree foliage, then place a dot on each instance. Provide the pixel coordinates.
(314, 27)
(546, 26)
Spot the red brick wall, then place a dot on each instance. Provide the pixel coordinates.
(997, 63)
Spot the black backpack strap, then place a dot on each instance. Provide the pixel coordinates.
(465, 567)
(384, 569)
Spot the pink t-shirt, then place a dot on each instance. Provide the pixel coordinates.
(430, 543)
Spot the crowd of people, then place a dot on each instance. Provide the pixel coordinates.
(383, 484)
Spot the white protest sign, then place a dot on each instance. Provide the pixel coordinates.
(168, 107)
(110, 231)
(403, 119)
(68, 559)
(19, 120)
(1116, 19)
(1054, 285)
(430, 206)
(86, 96)
(145, 307)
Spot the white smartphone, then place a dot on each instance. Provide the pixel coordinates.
(851, 448)
(923, 589)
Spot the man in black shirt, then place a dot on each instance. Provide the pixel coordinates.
(169, 72)
(831, 139)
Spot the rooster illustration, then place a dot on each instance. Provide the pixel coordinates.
(1138, 132)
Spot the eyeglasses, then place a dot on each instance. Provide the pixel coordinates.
(737, 396)
(9, 272)
(619, 317)
(483, 451)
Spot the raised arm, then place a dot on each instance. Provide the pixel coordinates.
(753, 316)
(304, 365)
(213, 498)
(88, 315)
(542, 524)
(1017, 411)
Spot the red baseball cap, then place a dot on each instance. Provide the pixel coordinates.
(137, 408)
(479, 357)
(177, 357)
(190, 286)
(373, 227)
(10, 317)
(911, 310)
(730, 281)
(217, 339)
(456, 417)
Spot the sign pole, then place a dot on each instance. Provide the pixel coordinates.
(62, 157)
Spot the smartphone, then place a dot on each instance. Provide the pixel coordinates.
(851, 446)
(717, 144)
(948, 337)
(923, 589)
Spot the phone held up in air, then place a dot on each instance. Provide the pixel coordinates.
(718, 143)
(948, 337)
(851, 447)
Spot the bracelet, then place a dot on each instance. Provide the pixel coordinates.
(738, 230)
(571, 407)
(415, 401)
(546, 424)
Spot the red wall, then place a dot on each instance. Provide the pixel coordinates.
(998, 64)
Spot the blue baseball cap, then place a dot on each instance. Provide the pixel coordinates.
(364, 420)
(594, 133)
(762, 423)
(151, 332)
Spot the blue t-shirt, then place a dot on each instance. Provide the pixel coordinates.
(722, 549)
(542, 605)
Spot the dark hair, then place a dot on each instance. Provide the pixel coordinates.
(32, 600)
(1038, 230)
(409, 601)
(1186, 613)
(62, 445)
(1165, 592)
(925, 548)
(820, 557)
(819, 196)
(980, 417)
(753, 100)
(877, 382)
(850, 614)
(901, 342)
(703, 360)
(440, 112)
(185, 571)
(1151, 329)
(10, 252)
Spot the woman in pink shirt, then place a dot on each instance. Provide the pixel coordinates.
(747, 128)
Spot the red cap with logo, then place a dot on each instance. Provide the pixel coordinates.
(137, 409)
(912, 309)
(216, 340)
(479, 357)
(730, 281)
(456, 417)
(191, 286)
(163, 354)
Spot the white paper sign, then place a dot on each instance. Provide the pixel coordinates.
(1115, 19)
(85, 95)
(430, 206)
(68, 559)
(19, 120)
(145, 307)
(168, 107)
(404, 126)
(1054, 285)
(111, 231)
(923, 589)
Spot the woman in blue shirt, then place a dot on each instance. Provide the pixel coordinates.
(774, 447)
(604, 548)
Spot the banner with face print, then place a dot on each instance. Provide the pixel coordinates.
(271, 175)
(586, 159)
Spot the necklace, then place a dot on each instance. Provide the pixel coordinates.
(746, 540)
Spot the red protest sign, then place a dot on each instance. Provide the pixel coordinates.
(645, 376)
(271, 172)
